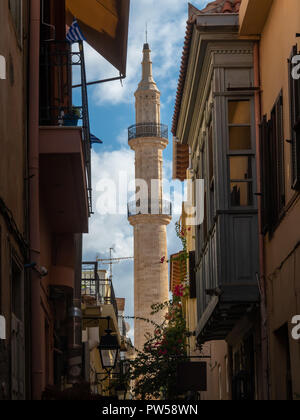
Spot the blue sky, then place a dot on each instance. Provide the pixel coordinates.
(112, 112)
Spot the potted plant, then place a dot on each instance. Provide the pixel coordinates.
(71, 119)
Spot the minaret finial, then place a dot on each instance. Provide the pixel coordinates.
(146, 32)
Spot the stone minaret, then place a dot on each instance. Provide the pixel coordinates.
(149, 214)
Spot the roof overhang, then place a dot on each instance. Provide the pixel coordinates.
(253, 16)
(104, 24)
(223, 22)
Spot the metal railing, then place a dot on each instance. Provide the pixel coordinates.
(58, 63)
(153, 207)
(100, 289)
(148, 130)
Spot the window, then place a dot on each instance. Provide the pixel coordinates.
(295, 125)
(241, 180)
(239, 114)
(272, 167)
(192, 274)
(15, 7)
(240, 157)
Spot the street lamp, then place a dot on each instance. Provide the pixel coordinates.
(109, 349)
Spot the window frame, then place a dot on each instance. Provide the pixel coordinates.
(242, 152)
(294, 103)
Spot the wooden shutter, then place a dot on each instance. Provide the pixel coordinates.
(280, 154)
(265, 174)
(277, 177)
(295, 124)
(192, 274)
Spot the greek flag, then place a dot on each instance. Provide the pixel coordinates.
(74, 34)
(95, 140)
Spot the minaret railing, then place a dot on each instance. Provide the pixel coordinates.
(148, 130)
(153, 207)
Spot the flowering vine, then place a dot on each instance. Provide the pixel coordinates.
(154, 370)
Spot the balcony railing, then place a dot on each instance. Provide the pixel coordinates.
(93, 286)
(59, 63)
(154, 207)
(148, 130)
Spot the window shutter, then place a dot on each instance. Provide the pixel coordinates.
(295, 124)
(280, 154)
(265, 174)
(276, 156)
(192, 273)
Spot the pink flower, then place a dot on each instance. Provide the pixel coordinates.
(179, 290)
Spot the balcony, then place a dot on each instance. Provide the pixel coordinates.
(65, 146)
(152, 207)
(148, 130)
(227, 275)
(98, 298)
(96, 290)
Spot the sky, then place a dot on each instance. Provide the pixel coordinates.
(111, 107)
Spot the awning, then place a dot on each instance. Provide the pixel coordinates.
(104, 24)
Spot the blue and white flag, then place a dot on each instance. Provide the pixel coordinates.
(74, 34)
(95, 140)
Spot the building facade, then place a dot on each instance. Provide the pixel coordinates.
(45, 186)
(215, 117)
(278, 114)
(149, 214)
(244, 144)
(14, 248)
(98, 304)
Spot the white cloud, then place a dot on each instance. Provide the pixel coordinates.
(166, 28)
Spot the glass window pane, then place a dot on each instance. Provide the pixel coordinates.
(240, 138)
(239, 112)
(240, 167)
(241, 194)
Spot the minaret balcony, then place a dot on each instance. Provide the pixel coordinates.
(151, 207)
(148, 130)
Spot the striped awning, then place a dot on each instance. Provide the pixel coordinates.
(104, 24)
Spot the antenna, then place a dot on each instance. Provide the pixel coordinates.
(146, 32)
(111, 250)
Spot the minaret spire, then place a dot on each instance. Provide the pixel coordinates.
(146, 33)
(147, 81)
(147, 94)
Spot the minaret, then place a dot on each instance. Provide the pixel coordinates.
(149, 214)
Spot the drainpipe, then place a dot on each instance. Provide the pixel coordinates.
(34, 233)
(262, 279)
